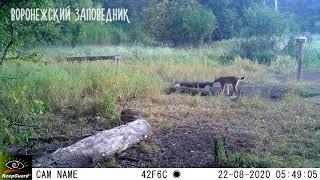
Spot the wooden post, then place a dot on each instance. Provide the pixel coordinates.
(300, 40)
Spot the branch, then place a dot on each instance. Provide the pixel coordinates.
(8, 46)
(10, 112)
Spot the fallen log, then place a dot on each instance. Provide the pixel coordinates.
(195, 84)
(207, 91)
(93, 58)
(87, 152)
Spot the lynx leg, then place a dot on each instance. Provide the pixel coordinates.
(228, 89)
(236, 87)
(222, 88)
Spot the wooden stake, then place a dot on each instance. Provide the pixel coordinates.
(300, 40)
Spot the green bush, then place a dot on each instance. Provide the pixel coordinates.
(262, 20)
(179, 22)
(228, 15)
(264, 34)
(259, 49)
(100, 33)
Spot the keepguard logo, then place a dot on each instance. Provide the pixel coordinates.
(15, 167)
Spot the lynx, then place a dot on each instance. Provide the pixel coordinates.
(229, 80)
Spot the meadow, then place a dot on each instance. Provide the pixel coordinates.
(47, 97)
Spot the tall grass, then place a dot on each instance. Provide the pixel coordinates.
(29, 90)
(312, 55)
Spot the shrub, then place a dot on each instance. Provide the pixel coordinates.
(179, 22)
(264, 34)
(262, 20)
(258, 48)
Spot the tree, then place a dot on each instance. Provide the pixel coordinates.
(307, 12)
(179, 22)
(262, 20)
(264, 33)
(16, 33)
(229, 15)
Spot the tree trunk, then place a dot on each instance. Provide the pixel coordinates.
(10, 43)
(93, 58)
(88, 151)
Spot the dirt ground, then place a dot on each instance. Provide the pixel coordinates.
(184, 134)
(181, 147)
(176, 147)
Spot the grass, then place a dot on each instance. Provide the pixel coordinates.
(41, 97)
(283, 133)
(312, 55)
(191, 55)
(240, 160)
(110, 162)
(79, 90)
(147, 148)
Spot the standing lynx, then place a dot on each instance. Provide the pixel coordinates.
(229, 80)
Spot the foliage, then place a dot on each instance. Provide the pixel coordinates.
(259, 49)
(230, 16)
(307, 12)
(175, 22)
(179, 22)
(22, 31)
(264, 34)
(261, 20)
